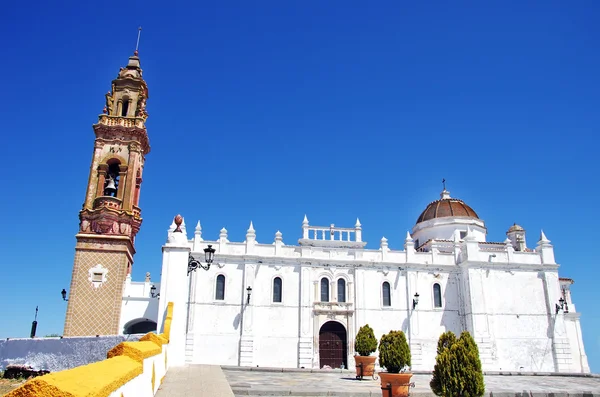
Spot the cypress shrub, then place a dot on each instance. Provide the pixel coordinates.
(366, 342)
(457, 371)
(394, 353)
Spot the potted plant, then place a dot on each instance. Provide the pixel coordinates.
(394, 356)
(365, 344)
(457, 370)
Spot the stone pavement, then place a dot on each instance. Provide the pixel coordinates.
(195, 381)
(278, 382)
(216, 381)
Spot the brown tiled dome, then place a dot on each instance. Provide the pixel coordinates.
(446, 206)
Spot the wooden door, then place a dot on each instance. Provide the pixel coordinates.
(332, 345)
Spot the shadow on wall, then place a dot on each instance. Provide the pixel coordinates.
(57, 354)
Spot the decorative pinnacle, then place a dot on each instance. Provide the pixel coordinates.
(543, 238)
(178, 221)
(305, 221)
(278, 236)
(251, 228)
(357, 223)
(198, 227)
(408, 237)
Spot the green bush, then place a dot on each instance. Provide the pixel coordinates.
(366, 342)
(394, 353)
(457, 371)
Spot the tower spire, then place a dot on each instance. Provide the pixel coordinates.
(137, 44)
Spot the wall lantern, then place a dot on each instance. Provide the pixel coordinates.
(64, 294)
(416, 300)
(560, 305)
(153, 292)
(194, 264)
(249, 289)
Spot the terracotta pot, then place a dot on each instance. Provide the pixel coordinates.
(399, 382)
(368, 365)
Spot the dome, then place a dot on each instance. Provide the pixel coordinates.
(516, 228)
(446, 206)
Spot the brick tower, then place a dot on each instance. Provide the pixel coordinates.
(110, 217)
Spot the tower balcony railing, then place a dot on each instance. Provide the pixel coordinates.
(107, 202)
(121, 121)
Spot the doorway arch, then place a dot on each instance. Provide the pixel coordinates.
(139, 326)
(333, 345)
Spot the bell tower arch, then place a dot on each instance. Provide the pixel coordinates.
(110, 217)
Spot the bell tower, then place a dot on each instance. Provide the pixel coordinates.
(111, 216)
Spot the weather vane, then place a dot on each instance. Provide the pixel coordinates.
(444, 183)
(137, 44)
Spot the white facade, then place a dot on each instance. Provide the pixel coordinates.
(504, 293)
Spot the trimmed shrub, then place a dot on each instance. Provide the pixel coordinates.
(394, 353)
(366, 342)
(457, 371)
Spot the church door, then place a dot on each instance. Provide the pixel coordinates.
(333, 348)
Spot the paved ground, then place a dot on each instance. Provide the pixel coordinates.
(195, 381)
(343, 383)
(214, 381)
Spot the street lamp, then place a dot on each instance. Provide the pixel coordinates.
(560, 305)
(153, 292)
(249, 289)
(415, 300)
(193, 263)
(64, 294)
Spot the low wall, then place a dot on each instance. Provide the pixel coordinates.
(130, 369)
(57, 354)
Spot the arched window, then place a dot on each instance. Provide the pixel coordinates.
(277, 289)
(437, 295)
(220, 290)
(385, 289)
(111, 181)
(125, 107)
(324, 289)
(341, 290)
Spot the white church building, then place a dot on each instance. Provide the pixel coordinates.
(271, 304)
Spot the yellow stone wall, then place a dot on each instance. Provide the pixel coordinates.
(124, 363)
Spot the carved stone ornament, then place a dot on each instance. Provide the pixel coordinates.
(97, 275)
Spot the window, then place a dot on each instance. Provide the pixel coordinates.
(437, 295)
(277, 290)
(386, 294)
(220, 290)
(324, 290)
(341, 290)
(97, 277)
(463, 235)
(125, 107)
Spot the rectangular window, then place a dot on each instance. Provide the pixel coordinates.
(97, 277)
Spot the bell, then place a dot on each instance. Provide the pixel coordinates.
(110, 188)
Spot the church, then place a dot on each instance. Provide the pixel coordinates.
(299, 303)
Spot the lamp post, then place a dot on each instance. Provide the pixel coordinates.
(560, 305)
(34, 324)
(194, 264)
(249, 290)
(415, 300)
(64, 294)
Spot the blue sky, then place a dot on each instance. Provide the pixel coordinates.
(265, 111)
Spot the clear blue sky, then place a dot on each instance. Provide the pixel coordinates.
(265, 111)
